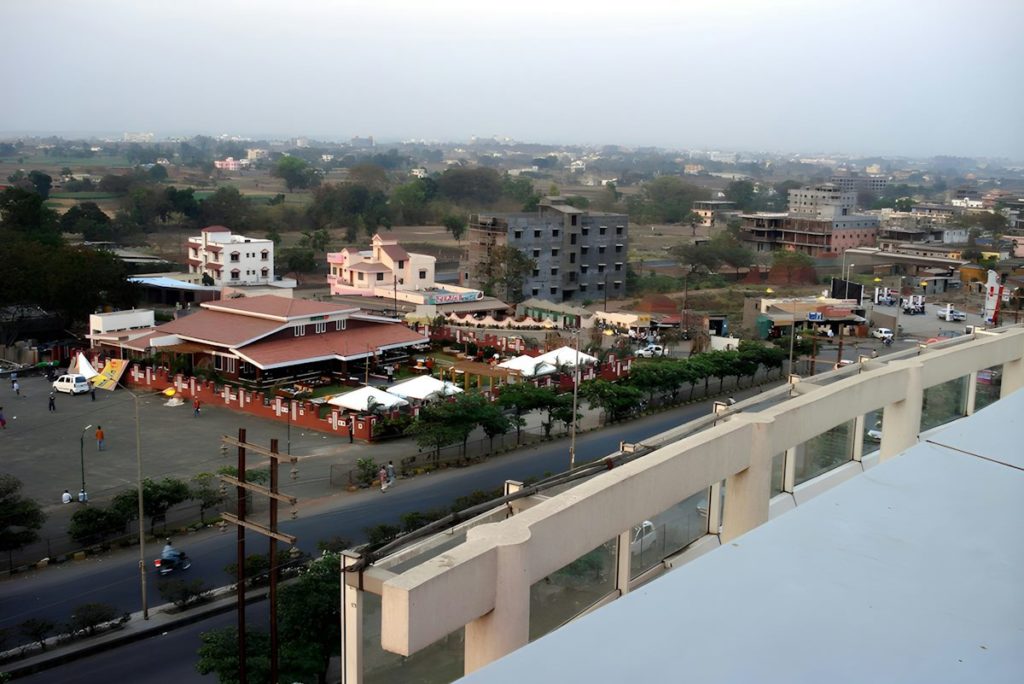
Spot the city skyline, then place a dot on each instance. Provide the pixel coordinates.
(863, 79)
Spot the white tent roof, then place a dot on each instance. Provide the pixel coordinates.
(359, 400)
(529, 366)
(566, 356)
(81, 366)
(422, 387)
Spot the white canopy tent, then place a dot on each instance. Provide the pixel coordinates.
(423, 387)
(566, 356)
(81, 366)
(529, 366)
(363, 398)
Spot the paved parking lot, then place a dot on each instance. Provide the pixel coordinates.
(43, 449)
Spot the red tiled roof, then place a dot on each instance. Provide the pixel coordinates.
(395, 252)
(215, 229)
(220, 328)
(354, 343)
(274, 306)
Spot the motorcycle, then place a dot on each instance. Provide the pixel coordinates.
(166, 566)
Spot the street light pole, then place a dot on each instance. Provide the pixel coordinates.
(141, 509)
(575, 391)
(81, 458)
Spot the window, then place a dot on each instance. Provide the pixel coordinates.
(235, 274)
(554, 233)
(536, 233)
(617, 284)
(299, 330)
(264, 255)
(572, 258)
(536, 254)
(359, 276)
(618, 248)
(265, 273)
(321, 327)
(554, 271)
(339, 325)
(554, 290)
(229, 364)
(583, 268)
(218, 362)
(574, 219)
(618, 267)
(380, 277)
(603, 230)
(535, 292)
(234, 257)
(600, 250)
(572, 239)
(536, 272)
(518, 235)
(618, 230)
(600, 268)
(585, 231)
(572, 276)
(584, 250)
(554, 252)
(583, 287)
(423, 274)
(401, 263)
(600, 286)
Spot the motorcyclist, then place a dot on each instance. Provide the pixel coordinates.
(170, 553)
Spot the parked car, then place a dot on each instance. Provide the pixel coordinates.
(951, 315)
(72, 384)
(875, 435)
(882, 333)
(645, 536)
(651, 351)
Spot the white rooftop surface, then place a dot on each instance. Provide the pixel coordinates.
(423, 386)
(359, 400)
(910, 572)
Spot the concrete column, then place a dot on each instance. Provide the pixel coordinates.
(1013, 377)
(858, 438)
(972, 393)
(623, 559)
(901, 421)
(507, 627)
(351, 628)
(789, 470)
(747, 492)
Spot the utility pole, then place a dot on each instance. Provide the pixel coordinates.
(242, 487)
(396, 294)
(575, 393)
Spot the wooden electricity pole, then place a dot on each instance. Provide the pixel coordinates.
(242, 487)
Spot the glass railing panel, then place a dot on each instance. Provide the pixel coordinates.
(990, 383)
(439, 663)
(672, 530)
(572, 589)
(944, 403)
(778, 473)
(824, 452)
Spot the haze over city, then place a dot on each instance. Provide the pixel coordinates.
(870, 77)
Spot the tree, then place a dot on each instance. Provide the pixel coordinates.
(207, 491)
(616, 399)
(494, 422)
(370, 176)
(697, 257)
(299, 260)
(456, 225)
(218, 655)
(522, 397)
(310, 621)
(89, 220)
(157, 173)
(24, 213)
(317, 240)
(791, 263)
(20, 518)
(504, 271)
(667, 199)
(742, 193)
(226, 207)
(95, 523)
(37, 629)
(87, 617)
(433, 431)
(157, 499)
(183, 593)
(296, 173)
(480, 186)
(42, 183)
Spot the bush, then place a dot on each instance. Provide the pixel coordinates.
(366, 471)
(37, 630)
(93, 524)
(379, 535)
(89, 616)
(184, 593)
(333, 545)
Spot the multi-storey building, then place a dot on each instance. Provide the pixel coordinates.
(820, 222)
(712, 212)
(577, 254)
(855, 182)
(231, 259)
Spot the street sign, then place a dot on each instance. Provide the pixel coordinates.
(815, 316)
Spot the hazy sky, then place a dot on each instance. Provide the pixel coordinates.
(909, 77)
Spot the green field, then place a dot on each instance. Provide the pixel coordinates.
(89, 195)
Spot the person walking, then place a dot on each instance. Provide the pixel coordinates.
(383, 475)
(14, 379)
(99, 438)
(65, 497)
(195, 407)
(391, 473)
(53, 401)
(3, 421)
(16, 386)
(92, 392)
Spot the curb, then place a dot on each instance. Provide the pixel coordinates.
(135, 630)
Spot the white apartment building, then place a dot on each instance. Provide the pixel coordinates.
(231, 259)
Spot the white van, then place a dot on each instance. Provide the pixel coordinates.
(651, 350)
(72, 384)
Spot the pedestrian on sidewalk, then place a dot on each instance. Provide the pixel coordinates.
(92, 392)
(3, 421)
(16, 386)
(383, 475)
(14, 379)
(195, 407)
(390, 469)
(99, 438)
(53, 401)
(65, 497)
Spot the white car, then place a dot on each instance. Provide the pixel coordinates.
(645, 536)
(651, 351)
(951, 315)
(882, 333)
(72, 384)
(875, 435)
